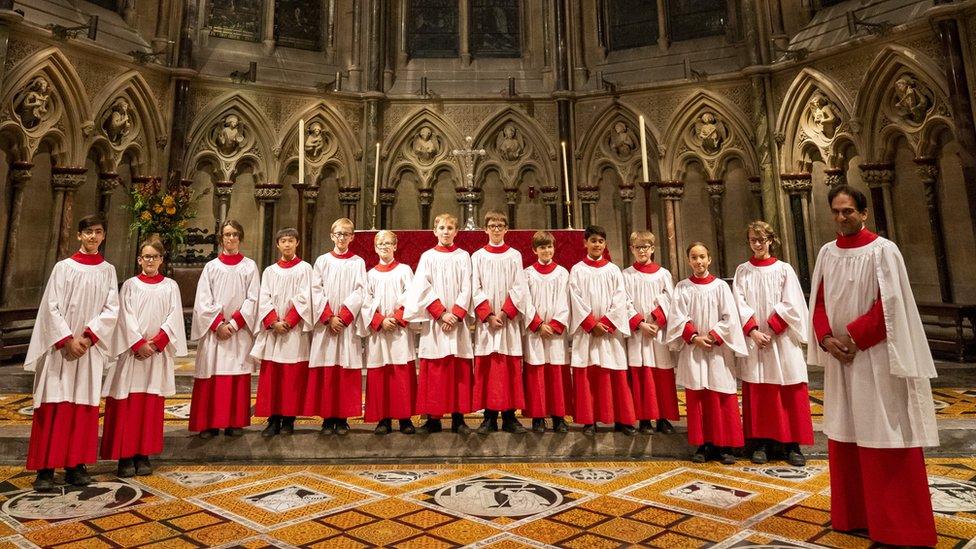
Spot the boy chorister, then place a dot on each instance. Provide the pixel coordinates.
(335, 366)
(391, 378)
(651, 366)
(282, 345)
(147, 338)
(600, 322)
(496, 270)
(547, 378)
(67, 354)
(225, 315)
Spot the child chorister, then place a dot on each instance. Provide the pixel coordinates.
(148, 337)
(282, 345)
(705, 330)
(336, 361)
(547, 378)
(391, 378)
(651, 366)
(775, 318)
(225, 315)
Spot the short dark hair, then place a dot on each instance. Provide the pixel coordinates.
(860, 201)
(594, 230)
(287, 231)
(91, 221)
(231, 223)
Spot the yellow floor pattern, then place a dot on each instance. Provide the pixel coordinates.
(503, 505)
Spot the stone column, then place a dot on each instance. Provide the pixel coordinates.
(716, 190)
(387, 198)
(464, 23)
(798, 187)
(564, 102)
(267, 195)
(550, 197)
(311, 206)
(879, 178)
(779, 36)
(671, 193)
(511, 201)
(20, 175)
(425, 198)
(928, 172)
(662, 25)
(300, 189)
(222, 191)
(755, 188)
(835, 176)
(107, 183)
(349, 199)
(587, 196)
(627, 194)
(267, 29)
(648, 218)
(65, 182)
(355, 67)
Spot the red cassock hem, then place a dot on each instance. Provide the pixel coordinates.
(884, 490)
(333, 391)
(63, 434)
(444, 386)
(642, 386)
(713, 417)
(777, 412)
(220, 401)
(667, 393)
(281, 388)
(603, 396)
(133, 425)
(548, 390)
(498, 382)
(391, 392)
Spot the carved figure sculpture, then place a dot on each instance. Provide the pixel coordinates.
(622, 140)
(314, 141)
(34, 103)
(231, 135)
(709, 133)
(910, 100)
(425, 145)
(508, 143)
(119, 122)
(822, 114)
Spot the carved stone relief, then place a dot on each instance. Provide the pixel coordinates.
(509, 143)
(821, 117)
(34, 104)
(118, 120)
(316, 139)
(426, 145)
(910, 99)
(622, 140)
(709, 133)
(229, 135)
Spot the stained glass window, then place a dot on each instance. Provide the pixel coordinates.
(236, 19)
(432, 28)
(494, 29)
(297, 24)
(691, 19)
(633, 23)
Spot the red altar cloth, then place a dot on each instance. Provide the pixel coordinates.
(410, 244)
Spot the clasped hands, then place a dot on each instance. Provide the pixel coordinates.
(842, 348)
(76, 347)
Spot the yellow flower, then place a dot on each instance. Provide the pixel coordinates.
(146, 216)
(171, 211)
(168, 201)
(157, 209)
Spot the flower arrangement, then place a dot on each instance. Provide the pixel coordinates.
(165, 211)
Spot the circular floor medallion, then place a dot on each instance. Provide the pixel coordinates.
(72, 501)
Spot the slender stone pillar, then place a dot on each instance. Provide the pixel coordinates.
(464, 23)
(222, 192)
(267, 195)
(798, 187)
(387, 199)
(835, 176)
(550, 197)
(627, 194)
(355, 67)
(425, 198)
(671, 193)
(564, 102)
(928, 172)
(716, 192)
(267, 29)
(65, 182)
(511, 202)
(107, 183)
(311, 206)
(755, 188)
(648, 218)
(20, 176)
(587, 196)
(349, 199)
(879, 178)
(300, 189)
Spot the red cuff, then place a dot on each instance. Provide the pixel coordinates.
(457, 311)
(64, 341)
(398, 315)
(777, 324)
(821, 324)
(270, 319)
(436, 309)
(239, 319)
(94, 338)
(611, 327)
(346, 316)
(557, 326)
(588, 323)
(689, 332)
(483, 311)
(750, 326)
(535, 324)
(635, 322)
(660, 317)
(138, 344)
(868, 329)
(161, 340)
(327, 314)
(377, 323)
(718, 339)
(217, 322)
(509, 308)
(292, 317)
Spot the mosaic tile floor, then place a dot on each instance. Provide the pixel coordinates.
(595, 504)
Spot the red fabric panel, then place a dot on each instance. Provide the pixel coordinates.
(327, 314)
(398, 315)
(548, 390)
(557, 326)
(458, 311)
(588, 323)
(483, 311)
(611, 327)
(346, 316)
(635, 322)
(535, 324)
(270, 319)
(776, 323)
(777, 412)
(221, 401)
(63, 434)
(868, 329)
(333, 391)
(718, 339)
(62, 342)
(391, 392)
(821, 324)
(239, 319)
(292, 317)
(444, 386)
(377, 322)
(161, 340)
(91, 335)
(667, 393)
(660, 317)
(498, 382)
(133, 425)
(750, 326)
(713, 417)
(436, 309)
(645, 394)
(603, 396)
(138, 345)
(220, 320)
(509, 308)
(281, 388)
(689, 332)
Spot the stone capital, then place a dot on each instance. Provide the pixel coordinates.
(349, 195)
(671, 190)
(835, 176)
(223, 188)
(715, 187)
(388, 196)
(67, 179)
(588, 194)
(20, 173)
(878, 174)
(755, 184)
(107, 182)
(797, 183)
(425, 196)
(549, 195)
(268, 192)
(627, 192)
(928, 169)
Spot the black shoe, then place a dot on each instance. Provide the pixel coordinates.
(559, 424)
(645, 427)
(430, 426)
(328, 427)
(341, 427)
(383, 427)
(701, 454)
(127, 468)
(208, 434)
(759, 456)
(511, 424)
(794, 456)
(539, 425)
(664, 426)
(458, 425)
(44, 481)
(233, 432)
(726, 456)
(625, 429)
(589, 429)
(288, 425)
(77, 476)
(273, 428)
(488, 425)
(143, 467)
(406, 427)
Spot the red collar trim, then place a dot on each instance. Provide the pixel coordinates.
(598, 263)
(497, 249)
(648, 268)
(88, 259)
(545, 269)
(446, 249)
(289, 264)
(155, 279)
(706, 280)
(762, 262)
(227, 259)
(388, 267)
(861, 238)
(346, 255)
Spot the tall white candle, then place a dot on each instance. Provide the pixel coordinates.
(643, 140)
(301, 151)
(565, 171)
(376, 176)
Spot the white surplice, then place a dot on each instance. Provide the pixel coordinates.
(337, 282)
(443, 276)
(76, 297)
(385, 290)
(224, 290)
(599, 291)
(494, 276)
(761, 291)
(647, 292)
(281, 289)
(883, 399)
(145, 310)
(548, 298)
(709, 307)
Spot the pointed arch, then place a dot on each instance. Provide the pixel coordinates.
(256, 148)
(146, 152)
(394, 156)
(539, 154)
(595, 157)
(739, 144)
(341, 155)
